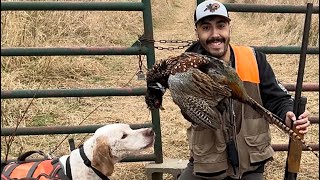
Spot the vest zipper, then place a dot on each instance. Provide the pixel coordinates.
(242, 110)
(232, 63)
(234, 133)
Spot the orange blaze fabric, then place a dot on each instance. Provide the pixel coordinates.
(246, 64)
(21, 171)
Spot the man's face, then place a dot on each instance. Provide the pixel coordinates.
(214, 35)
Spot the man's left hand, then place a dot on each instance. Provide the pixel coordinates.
(302, 123)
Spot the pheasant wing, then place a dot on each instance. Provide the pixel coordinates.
(197, 95)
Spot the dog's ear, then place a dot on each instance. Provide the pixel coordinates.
(102, 157)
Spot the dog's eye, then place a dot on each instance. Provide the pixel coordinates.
(124, 136)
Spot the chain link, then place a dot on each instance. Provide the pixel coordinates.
(175, 41)
(140, 59)
(170, 48)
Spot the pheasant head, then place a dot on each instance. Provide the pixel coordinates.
(157, 83)
(153, 98)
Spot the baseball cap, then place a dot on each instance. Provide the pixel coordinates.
(210, 8)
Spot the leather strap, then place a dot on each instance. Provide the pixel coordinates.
(58, 170)
(33, 168)
(87, 162)
(68, 168)
(8, 169)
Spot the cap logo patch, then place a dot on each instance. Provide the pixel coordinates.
(212, 7)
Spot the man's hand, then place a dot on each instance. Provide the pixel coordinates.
(302, 123)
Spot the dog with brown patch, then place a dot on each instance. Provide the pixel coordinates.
(94, 160)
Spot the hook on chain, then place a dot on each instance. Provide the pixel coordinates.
(140, 73)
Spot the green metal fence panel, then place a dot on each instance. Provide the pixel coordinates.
(286, 49)
(137, 158)
(76, 51)
(45, 130)
(53, 93)
(148, 33)
(148, 29)
(72, 6)
(264, 8)
(145, 49)
(81, 51)
(6, 94)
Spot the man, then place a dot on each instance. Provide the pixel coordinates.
(244, 150)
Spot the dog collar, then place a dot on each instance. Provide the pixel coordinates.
(87, 162)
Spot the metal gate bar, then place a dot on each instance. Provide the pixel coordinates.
(72, 6)
(305, 87)
(284, 147)
(45, 130)
(136, 6)
(285, 49)
(136, 158)
(80, 51)
(51, 93)
(72, 51)
(264, 8)
(7, 94)
(150, 157)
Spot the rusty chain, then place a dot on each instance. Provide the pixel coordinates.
(170, 48)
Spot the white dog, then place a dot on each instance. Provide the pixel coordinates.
(96, 158)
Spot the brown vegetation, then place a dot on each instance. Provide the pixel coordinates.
(172, 19)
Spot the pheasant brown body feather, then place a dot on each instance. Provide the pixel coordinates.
(198, 83)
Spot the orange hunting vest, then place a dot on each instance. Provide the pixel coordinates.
(247, 68)
(42, 170)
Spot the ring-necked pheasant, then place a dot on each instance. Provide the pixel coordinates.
(198, 83)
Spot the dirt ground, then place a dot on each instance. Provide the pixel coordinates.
(173, 20)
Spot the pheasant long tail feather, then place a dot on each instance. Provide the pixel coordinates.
(277, 121)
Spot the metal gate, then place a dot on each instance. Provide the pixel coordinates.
(147, 49)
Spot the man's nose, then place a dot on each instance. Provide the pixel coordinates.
(214, 33)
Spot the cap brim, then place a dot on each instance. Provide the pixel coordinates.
(227, 18)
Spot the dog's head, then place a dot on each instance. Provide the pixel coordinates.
(124, 141)
(115, 142)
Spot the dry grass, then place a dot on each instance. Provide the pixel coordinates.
(288, 26)
(172, 19)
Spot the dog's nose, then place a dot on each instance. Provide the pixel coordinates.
(148, 132)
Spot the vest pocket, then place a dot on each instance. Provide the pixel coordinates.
(206, 141)
(259, 147)
(208, 149)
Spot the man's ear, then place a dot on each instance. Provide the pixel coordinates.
(196, 33)
(102, 157)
